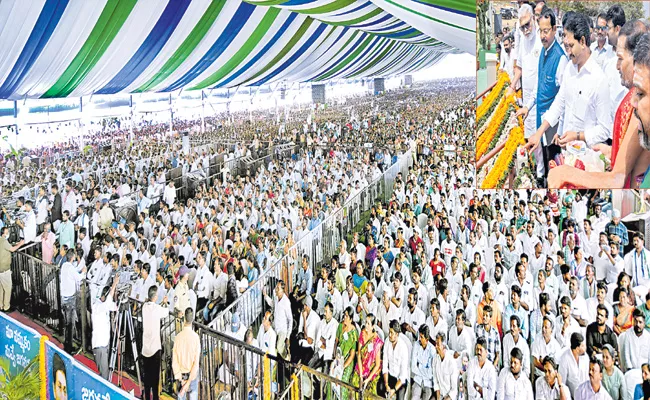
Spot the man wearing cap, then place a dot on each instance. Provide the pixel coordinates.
(105, 216)
(307, 330)
(238, 330)
(182, 290)
(616, 228)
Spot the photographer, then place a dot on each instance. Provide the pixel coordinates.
(101, 318)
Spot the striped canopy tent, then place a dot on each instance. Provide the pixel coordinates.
(72, 48)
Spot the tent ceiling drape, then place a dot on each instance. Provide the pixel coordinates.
(61, 48)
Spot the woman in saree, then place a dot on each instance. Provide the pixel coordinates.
(346, 341)
(623, 319)
(371, 251)
(368, 368)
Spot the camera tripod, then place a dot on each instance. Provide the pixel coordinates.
(122, 326)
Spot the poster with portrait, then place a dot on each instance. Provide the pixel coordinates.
(19, 359)
(68, 379)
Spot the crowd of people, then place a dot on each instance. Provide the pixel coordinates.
(583, 83)
(201, 253)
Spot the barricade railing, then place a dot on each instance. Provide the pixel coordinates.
(320, 244)
(232, 368)
(36, 289)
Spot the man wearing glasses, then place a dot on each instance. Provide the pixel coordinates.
(600, 48)
(552, 63)
(528, 50)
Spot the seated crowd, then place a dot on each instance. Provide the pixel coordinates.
(203, 252)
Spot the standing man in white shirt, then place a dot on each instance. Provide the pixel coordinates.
(152, 313)
(512, 383)
(41, 208)
(70, 280)
(583, 100)
(28, 224)
(528, 50)
(395, 369)
(283, 318)
(101, 319)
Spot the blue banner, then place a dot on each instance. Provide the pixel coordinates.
(19, 359)
(66, 378)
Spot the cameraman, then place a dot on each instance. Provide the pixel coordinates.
(152, 313)
(101, 317)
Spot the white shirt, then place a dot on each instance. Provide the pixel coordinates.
(583, 101)
(313, 321)
(385, 316)
(544, 392)
(152, 313)
(463, 342)
(414, 319)
(541, 349)
(29, 233)
(70, 279)
(637, 265)
(573, 373)
(509, 388)
(509, 344)
(635, 350)
(528, 52)
(396, 360)
(101, 317)
(445, 375)
(485, 377)
(283, 320)
(327, 331)
(266, 341)
(586, 392)
(41, 210)
(204, 282)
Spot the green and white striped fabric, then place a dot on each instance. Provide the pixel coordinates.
(62, 48)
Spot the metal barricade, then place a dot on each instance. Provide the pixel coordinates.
(320, 244)
(36, 289)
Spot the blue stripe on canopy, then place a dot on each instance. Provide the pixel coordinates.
(295, 55)
(362, 37)
(261, 53)
(150, 48)
(47, 21)
(459, 12)
(231, 31)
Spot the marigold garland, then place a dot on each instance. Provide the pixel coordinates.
(496, 126)
(492, 97)
(505, 159)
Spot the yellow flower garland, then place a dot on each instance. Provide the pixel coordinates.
(500, 113)
(492, 96)
(515, 139)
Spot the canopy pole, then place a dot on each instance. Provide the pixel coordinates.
(131, 119)
(171, 116)
(202, 112)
